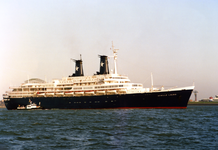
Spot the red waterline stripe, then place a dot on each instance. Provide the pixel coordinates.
(135, 108)
(144, 108)
(125, 108)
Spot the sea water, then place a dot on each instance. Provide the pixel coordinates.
(119, 129)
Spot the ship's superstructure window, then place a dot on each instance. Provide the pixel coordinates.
(78, 88)
(67, 88)
(88, 88)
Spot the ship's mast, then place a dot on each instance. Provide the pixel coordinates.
(152, 84)
(115, 58)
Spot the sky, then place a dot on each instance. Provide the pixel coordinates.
(175, 40)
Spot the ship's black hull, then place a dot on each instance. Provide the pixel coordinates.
(171, 99)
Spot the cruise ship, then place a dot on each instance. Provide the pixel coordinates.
(103, 90)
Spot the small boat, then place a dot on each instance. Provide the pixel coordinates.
(111, 91)
(21, 107)
(79, 93)
(49, 94)
(90, 92)
(69, 93)
(122, 91)
(32, 106)
(28, 107)
(41, 94)
(60, 93)
(100, 92)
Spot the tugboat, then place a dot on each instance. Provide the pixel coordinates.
(28, 107)
(103, 90)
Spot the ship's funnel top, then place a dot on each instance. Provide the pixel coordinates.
(104, 67)
(78, 68)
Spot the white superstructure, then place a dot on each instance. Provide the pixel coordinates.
(77, 86)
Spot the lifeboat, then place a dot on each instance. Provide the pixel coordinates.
(40, 94)
(122, 91)
(100, 92)
(112, 91)
(60, 93)
(69, 93)
(49, 94)
(79, 93)
(90, 92)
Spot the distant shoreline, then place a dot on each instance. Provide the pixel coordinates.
(202, 103)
